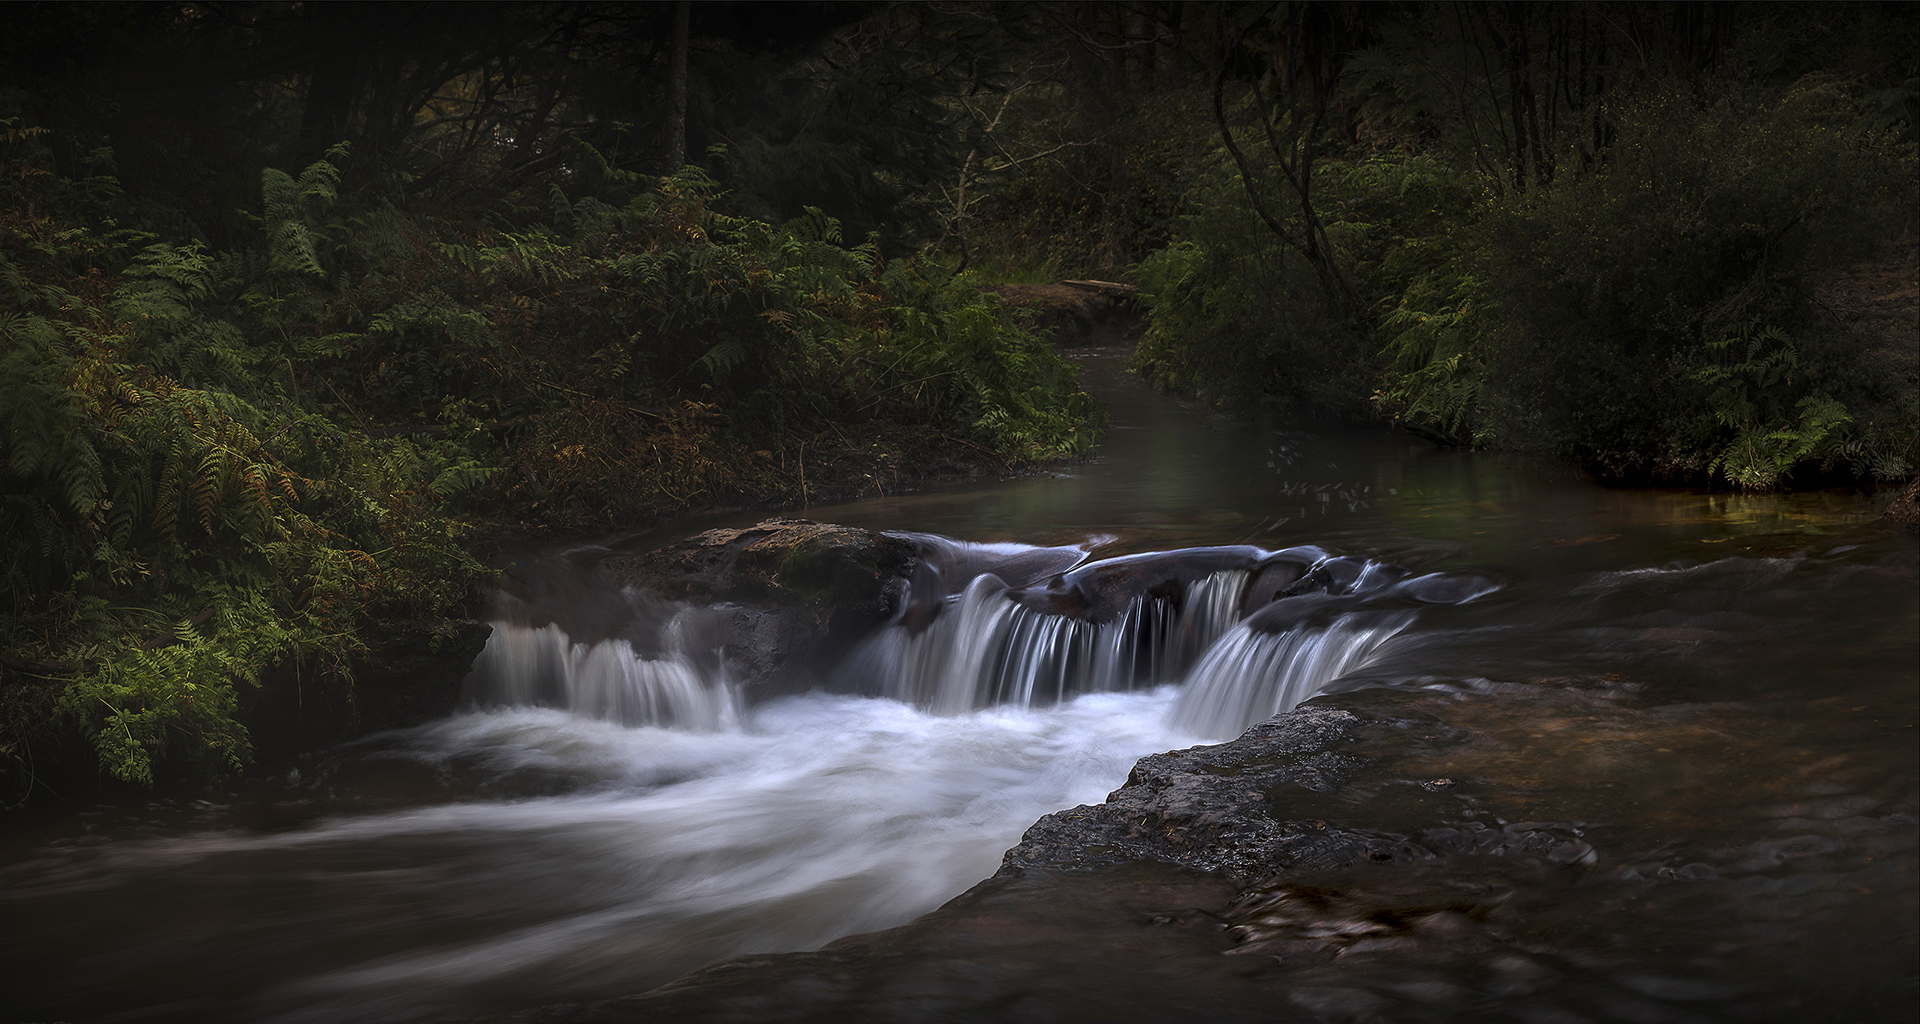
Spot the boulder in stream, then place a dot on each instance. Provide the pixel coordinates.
(1211, 808)
(786, 562)
(796, 593)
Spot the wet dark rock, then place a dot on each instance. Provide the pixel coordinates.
(1225, 809)
(785, 562)
(1213, 808)
(1696, 872)
(414, 676)
(1100, 591)
(1295, 587)
(955, 563)
(1332, 576)
(1447, 588)
(791, 595)
(1300, 611)
(404, 677)
(1274, 579)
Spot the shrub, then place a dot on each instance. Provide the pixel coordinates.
(1653, 315)
(221, 464)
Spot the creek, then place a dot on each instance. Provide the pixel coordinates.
(1708, 699)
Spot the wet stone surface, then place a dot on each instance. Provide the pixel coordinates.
(1210, 808)
(1225, 808)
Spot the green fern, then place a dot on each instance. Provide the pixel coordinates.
(1745, 388)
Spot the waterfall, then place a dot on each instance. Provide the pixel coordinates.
(1247, 633)
(1255, 672)
(991, 644)
(988, 648)
(607, 679)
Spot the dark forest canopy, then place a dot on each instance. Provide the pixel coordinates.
(304, 302)
(858, 108)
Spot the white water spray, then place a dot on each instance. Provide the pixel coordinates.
(987, 648)
(1252, 675)
(526, 665)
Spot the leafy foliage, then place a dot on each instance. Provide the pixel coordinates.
(1240, 316)
(223, 468)
(1639, 316)
(1646, 306)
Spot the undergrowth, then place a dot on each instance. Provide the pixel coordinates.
(225, 468)
(1652, 316)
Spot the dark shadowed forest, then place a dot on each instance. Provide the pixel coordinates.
(304, 306)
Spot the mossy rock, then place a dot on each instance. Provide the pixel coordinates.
(824, 571)
(776, 562)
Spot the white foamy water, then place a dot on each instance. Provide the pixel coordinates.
(1250, 675)
(617, 817)
(987, 649)
(607, 679)
(823, 816)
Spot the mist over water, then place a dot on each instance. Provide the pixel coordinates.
(662, 850)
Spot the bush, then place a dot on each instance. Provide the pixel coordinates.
(1655, 316)
(175, 523)
(217, 465)
(1243, 320)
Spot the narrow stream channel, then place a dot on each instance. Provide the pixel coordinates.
(1714, 694)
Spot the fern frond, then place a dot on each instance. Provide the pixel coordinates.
(279, 196)
(723, 357)
(80, 475)
(292, 251)
(319, 185)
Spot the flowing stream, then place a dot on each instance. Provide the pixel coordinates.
(1715, 693)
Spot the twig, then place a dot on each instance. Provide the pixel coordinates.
(986, 451)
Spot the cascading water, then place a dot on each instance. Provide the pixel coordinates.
(1730, 729)
(1248, 633)
(1254, 673)
(608, 679)
(1313, 618)
(1292, 648)
(988, 648)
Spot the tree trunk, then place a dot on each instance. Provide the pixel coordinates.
(333, 84)
(677, 89)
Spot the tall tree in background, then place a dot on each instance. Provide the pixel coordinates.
(677, 86)
(1301, 49)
